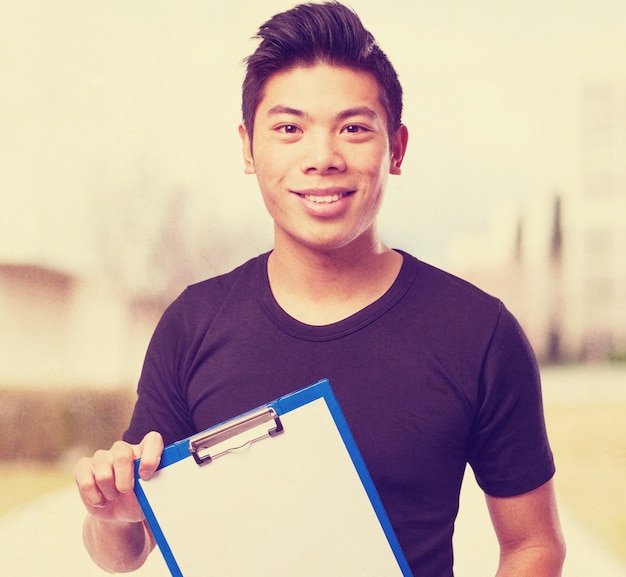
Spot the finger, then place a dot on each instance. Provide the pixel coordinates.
(104, 474)
(87, 486)
(123, 466)
(151, 448)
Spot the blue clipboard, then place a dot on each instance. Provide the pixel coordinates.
(279, 490)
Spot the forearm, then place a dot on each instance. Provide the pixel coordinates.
(117, 547)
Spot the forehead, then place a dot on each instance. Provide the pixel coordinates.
(321, 87)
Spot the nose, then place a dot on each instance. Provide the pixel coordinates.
(322, 154)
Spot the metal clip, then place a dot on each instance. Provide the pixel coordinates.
(200, 444)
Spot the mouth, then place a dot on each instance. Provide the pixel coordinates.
(324, 196)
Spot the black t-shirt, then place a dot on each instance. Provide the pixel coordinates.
(433, 375)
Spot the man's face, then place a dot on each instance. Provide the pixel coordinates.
(321, 155)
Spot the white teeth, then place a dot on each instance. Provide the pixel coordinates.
(323, 199)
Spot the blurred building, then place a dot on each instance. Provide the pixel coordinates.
(597, 258)
(60, 331)
(562, 267)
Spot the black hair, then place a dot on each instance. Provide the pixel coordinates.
(319, 33)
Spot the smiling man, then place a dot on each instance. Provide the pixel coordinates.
(431, 373)
(322, 155)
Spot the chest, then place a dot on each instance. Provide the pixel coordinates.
(409, 417)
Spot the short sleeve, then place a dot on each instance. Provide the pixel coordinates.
(161, 402)
(509, 449)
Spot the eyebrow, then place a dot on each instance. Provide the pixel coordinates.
(280, 109)
(343, 115)
(358, 111)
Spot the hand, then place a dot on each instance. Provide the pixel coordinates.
(105, 481)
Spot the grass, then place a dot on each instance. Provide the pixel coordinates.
(22, 483)
(589, 442)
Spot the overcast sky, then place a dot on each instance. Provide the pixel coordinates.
(109, 109)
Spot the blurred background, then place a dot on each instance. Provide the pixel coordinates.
(121, 182)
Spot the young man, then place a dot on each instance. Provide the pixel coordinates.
(430, 372)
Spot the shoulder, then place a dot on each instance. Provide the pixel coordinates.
(221, 285)
(449, 285)
(462, 324)
(200, 302)
(451, 299)
(211, 292)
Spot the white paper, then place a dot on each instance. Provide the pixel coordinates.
(290, 505)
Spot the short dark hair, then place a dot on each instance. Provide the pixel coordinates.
(319, 33)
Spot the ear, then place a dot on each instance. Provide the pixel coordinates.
(398, 149)
(246, 144)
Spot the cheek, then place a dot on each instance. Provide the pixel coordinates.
(374, 163)
(265, 180)
(271, 186)
(271, 168)
(377, 176)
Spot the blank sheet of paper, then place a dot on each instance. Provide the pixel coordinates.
(290, 505)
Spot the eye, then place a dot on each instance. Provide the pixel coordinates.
(354, 129)
(288, 129)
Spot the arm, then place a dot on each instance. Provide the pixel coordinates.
(115, 531)
(529, 533)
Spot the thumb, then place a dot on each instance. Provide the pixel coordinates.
(149, 452)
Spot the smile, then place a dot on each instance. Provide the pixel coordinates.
(324, 197)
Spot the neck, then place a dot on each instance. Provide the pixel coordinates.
(321, 287)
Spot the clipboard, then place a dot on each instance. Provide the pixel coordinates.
(281, 490)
